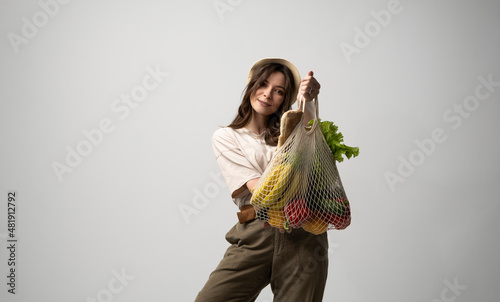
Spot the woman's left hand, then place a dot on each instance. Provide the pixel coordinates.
(309, 87)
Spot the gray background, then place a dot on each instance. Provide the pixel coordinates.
(121, 207)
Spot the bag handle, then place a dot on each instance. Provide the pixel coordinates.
(302, 106)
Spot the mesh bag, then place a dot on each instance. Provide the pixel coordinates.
(301, 186)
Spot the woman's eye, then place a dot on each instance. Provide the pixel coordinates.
(280, 92)
(262, 84)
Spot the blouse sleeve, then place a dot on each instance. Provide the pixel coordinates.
(234, 166)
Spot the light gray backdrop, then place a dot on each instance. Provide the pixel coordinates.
(106, 115)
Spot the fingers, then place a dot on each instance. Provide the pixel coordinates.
(309, 87)
(311, 81)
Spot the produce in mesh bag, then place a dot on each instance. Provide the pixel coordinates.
(289, 121)
(301, 187)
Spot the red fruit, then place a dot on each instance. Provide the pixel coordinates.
(340, 222)
(297, 212)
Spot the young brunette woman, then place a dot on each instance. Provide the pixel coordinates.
(295, 264)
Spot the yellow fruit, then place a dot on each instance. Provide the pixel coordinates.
(259, 193)
(289, 193)
(279, 186)
(271, 190)
(276, 219)
(315, 225)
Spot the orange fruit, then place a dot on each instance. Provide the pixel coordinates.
(315, 225)
(276, 218)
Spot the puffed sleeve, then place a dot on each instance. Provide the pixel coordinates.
(236, 169)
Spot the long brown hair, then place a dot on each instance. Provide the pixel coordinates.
(245, 111)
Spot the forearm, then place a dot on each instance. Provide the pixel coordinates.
(251, 184)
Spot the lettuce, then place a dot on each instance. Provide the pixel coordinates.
(335, 139)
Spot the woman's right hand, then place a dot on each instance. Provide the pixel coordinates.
(309, 87)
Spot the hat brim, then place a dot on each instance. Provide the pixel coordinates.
(295, 72)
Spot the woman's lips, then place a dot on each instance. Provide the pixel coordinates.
(263, 103)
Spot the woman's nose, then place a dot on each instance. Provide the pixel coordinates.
(268, 92)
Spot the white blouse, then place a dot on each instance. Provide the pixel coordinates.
(243, 155)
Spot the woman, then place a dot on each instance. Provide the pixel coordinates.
(294, 264)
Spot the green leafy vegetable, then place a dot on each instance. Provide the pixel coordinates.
(335, 139)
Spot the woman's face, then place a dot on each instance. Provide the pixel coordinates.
(269, 96)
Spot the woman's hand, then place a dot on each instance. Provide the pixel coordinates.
(309, 87)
